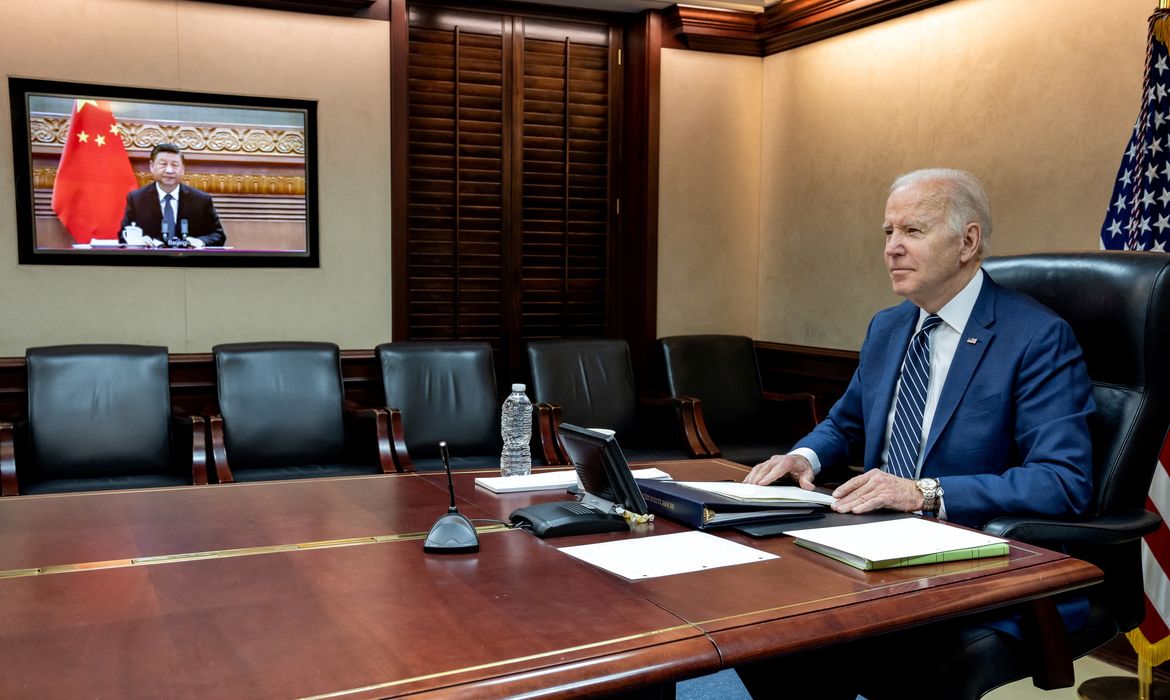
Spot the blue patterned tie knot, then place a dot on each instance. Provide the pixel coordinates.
(906, 435)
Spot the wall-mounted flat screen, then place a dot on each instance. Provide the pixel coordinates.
(113, 175)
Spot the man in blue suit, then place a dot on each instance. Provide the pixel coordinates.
(1004, 430)
(970, 401)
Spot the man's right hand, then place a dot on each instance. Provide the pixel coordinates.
(795, 467)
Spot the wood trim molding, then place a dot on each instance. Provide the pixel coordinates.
(192, 379)
(399, 166)
(637, 241)
(718, 31)
(822, 372)
(341, 8)
(785, 25)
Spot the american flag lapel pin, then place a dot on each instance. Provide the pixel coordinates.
(972, 341)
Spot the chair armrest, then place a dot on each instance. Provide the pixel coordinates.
(377, 421)
(804, 397)
(693, 408)
(402, 459)
(548, 421)
(197, 427)
(1105, 530)
(688, 422)
(8, 483)
(223, 472)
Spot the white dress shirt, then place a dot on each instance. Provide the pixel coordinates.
(174, 201)
(944, 341)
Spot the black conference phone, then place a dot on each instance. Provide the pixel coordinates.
(608, 489)
(564, 518)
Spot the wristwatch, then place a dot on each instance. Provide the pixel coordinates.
(932, 493)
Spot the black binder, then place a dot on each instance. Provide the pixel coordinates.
(707, 511)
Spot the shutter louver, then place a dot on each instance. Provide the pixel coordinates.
(508, 199)
(455, 203)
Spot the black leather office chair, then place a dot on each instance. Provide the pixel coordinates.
(283, 415)
(1118, 304)
(591, 383)
(442, 391)
(738, 420)
(100, 417)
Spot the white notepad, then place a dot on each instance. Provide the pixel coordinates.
(666, 555)
(548, 481)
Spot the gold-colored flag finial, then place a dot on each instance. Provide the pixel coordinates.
(1164, 4)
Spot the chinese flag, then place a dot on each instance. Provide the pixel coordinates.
(95, 176)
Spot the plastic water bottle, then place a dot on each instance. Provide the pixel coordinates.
(516, 429)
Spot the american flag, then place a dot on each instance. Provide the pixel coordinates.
(1139, 210)
(1139, 219)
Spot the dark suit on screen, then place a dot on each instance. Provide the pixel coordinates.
(196, 206)
(1010, 432)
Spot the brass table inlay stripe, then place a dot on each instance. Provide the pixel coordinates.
(501, 662)
(222, 554)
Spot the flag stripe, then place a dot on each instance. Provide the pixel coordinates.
(1138, 218)
(1154, 624)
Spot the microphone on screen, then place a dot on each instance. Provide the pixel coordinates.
(452, 533)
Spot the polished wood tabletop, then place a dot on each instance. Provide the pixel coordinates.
(320, 588)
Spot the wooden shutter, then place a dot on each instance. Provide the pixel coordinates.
(455, 247)
(566, 167)
(510, 150)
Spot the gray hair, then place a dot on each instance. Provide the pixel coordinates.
(962, 199)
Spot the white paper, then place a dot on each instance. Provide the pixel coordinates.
(666, 555)
(895, 539)
(548, 481)
(754, 492)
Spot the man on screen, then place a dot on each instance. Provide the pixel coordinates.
(168, 212)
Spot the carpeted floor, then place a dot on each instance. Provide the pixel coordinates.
(724, 685)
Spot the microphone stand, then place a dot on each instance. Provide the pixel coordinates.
(452, 533)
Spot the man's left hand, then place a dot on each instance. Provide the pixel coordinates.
(877, 489)
(196, 242)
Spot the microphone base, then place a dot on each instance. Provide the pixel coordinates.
(452, 533)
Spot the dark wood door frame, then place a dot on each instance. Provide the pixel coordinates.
(634, 245)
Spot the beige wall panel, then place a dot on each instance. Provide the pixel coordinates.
(709, 193)
(343, 63)
(1042, 113)
(838, 116)
(1037, 98)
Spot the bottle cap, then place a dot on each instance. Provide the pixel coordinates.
(517, 387)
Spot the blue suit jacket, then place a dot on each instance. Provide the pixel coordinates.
(1010, 433)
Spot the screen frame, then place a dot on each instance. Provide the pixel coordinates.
(602, 468)
(19, 90)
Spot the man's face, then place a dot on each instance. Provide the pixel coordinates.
(167, 169)
(924, 256)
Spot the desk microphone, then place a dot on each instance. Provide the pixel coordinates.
(452, 533)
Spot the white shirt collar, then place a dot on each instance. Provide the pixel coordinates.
(161, 194)
(957, 311)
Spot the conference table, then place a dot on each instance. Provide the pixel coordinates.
(320, 588)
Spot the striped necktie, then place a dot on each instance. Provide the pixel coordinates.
(168, 218)
(906, 436)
